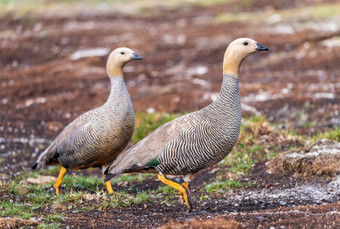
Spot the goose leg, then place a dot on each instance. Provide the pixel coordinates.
(108, 185)
(186, 185)
(183, 191)
(57, 184)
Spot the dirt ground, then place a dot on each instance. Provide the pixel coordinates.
(295, 85)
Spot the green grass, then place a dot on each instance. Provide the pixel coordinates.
(49, 171)
(257, 18)
(167, 190)
(85, 193)
(52, 221)
(91, 183)
(331, 135)
(250, 149)
(29, 9)
(273, 151)
(146, 123)
(14, 208)
(325, 10)
(224, 186)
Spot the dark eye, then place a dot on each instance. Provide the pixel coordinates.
(122, 53)
(245, 43)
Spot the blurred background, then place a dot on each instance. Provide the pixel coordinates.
(53, 56)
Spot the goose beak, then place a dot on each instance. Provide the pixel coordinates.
(135, 56)
(261, 47)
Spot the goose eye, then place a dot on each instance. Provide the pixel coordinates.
(122, 53)
(245, 43)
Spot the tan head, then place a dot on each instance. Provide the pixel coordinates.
(118, 58)
(237, 51)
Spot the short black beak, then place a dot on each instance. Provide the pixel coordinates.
(261, 47)
(135, 56)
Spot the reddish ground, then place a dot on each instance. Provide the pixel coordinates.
(295, 85)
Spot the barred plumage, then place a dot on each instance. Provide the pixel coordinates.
(98, 136)
(208, 134)
(197, 140)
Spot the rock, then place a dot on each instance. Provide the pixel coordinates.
(38, 180)
(320, 158)
(14, 222)
(89, 53)
(210, 223)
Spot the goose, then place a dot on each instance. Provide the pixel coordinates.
(97, 137)
(195, 141)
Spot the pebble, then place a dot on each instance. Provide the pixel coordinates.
(318, 202)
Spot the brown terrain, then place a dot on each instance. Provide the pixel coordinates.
(45, 85)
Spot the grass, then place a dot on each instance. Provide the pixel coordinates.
(317, 11)
(85, 193)
(83, 182)
(146, 123)
(82, 193)
(331, 135)
(14, 208)
(250, 149)
(325, 10)
(35, 8)
(223, 186)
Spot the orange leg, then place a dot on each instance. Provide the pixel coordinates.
(183, 191)
(186, 185)
(57, 184)
(108, 186)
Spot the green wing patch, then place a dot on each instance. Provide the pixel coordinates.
(154, 162)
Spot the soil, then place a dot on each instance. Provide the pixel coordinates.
(16, 223)
(295, 85)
